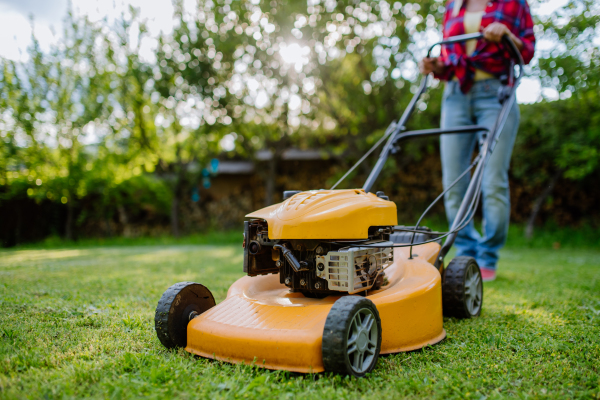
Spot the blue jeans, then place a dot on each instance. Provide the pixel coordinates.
(478, 107)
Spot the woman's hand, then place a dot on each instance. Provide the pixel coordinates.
(494, 32)
(432, 64)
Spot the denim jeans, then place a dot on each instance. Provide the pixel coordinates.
(478, 107)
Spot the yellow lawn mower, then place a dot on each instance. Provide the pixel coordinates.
(332, 280)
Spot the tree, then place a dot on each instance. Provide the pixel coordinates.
(52, 99)
(194, 107)
(560, 138)
(335, 73)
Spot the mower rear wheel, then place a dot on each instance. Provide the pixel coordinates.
(178, 305)
(462, 290)
(352, 337)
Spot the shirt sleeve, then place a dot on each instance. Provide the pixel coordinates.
(526, 34)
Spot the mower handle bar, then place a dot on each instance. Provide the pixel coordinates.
(396, 132)
(455, 39)
(396, 128)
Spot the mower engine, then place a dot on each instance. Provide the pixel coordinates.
(318, 268)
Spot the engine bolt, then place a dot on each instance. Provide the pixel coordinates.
(302, 282)
(279, 264)
(319, 250)
(288, 281)
(321, 266)
(318, 285)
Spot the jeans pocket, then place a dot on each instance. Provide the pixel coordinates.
(488, 88)
(448, 90)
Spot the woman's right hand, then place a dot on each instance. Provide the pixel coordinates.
(431, 64)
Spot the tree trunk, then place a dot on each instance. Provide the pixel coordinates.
(271, 176)
(69, 223)
(71, 193)
(539, 202)
(179, 179)
(175, 214)
(18, 224)
(107, 227)
(177, 197)
(107, 224)
(124, 221)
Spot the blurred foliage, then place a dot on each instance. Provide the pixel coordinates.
(102, 134)
(559, 135)
(572, 67)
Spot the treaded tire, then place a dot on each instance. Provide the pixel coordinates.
(174, 308)
(340, 330)
(462, 288)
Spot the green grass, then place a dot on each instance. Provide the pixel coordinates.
(78, 321)
(220, 237)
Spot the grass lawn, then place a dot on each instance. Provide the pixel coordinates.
(78, 321)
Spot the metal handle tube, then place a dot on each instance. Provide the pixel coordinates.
(399, 127)
(391, 128)
(515, 52)
(456, 39)
(436, 132)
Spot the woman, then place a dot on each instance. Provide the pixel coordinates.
(472, 71)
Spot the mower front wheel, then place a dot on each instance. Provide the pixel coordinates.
(178, 305)
(462, 290)
(352, 337)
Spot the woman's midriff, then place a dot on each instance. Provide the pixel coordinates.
(472, 21)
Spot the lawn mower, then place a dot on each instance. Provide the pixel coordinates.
(332, 281)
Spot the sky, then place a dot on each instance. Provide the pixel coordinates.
(16, 26)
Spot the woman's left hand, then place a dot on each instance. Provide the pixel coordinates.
(494, 32)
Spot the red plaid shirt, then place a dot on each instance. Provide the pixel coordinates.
(489, 57)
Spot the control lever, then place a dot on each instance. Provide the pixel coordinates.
(289, 256)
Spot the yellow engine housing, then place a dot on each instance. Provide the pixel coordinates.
(327, 214)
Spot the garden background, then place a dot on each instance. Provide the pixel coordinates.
(115, 131)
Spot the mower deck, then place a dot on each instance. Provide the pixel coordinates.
(261, 322)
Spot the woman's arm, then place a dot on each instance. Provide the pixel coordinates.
(522, 36)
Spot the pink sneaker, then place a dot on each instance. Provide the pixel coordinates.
(487, 274)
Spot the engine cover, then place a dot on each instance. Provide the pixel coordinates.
(327, 214)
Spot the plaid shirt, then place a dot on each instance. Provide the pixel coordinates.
(489, 57)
